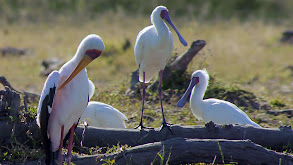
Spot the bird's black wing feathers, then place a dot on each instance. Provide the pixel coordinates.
(44, 118)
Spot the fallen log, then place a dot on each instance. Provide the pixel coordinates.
(272, 138)
(184, 151)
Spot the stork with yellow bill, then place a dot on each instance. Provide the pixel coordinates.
(64, 98)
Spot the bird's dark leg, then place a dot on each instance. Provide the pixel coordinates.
(61, 146)
(70, 144)
(142, 108)
(164, 123)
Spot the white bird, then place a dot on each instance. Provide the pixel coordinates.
(64, 98)
(102, 115)
(152, 49)
(218, 111)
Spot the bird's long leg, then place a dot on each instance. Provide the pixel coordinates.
(142, 108)
(164, 123)
(61, 146)
(70, 144)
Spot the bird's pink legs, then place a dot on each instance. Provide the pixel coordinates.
(142, 108)
(70, 144)
(164, 123)
(61, 146)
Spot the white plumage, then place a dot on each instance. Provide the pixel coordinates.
(153, 47)
(69, 101)
(218, 111)
(154, 44)
(102, 115)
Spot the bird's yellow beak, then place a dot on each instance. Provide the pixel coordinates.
(88, 58)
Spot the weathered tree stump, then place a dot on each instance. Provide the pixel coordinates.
(27, 96)
(287, 37)
(9, 103)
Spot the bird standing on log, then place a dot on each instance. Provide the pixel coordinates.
(64, 98)
(218, 111)
(153, 47)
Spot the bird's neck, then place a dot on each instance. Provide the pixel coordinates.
(77, 57)
(198, 93)
(162, 28)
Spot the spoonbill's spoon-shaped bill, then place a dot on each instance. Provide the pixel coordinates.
(165, 16)
(64, 98)
(218, 111)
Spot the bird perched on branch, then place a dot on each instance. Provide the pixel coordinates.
(152, 49)
(64, 98)
(218, 111)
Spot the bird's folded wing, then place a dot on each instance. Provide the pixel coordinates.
(47, 96)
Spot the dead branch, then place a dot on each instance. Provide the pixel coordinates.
(9, 103)
(27, 96)
(182, 61)
(289, 112)
(184, 151)
(179, 65)
(271, 138)
(4, 82)
(268, 137)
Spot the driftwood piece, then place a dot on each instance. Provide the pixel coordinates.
(289, 112)
(13, 51)
(179, 65)
(268, 137)
(182, 143)
(5, 82)
(271, 138)
(287, 37)
(182, 61)
(27, 96)
(184, 151)
(9, 103)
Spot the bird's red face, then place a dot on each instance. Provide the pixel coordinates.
(196, 80)
(93, 53)
(90, 55)
(164, 14)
